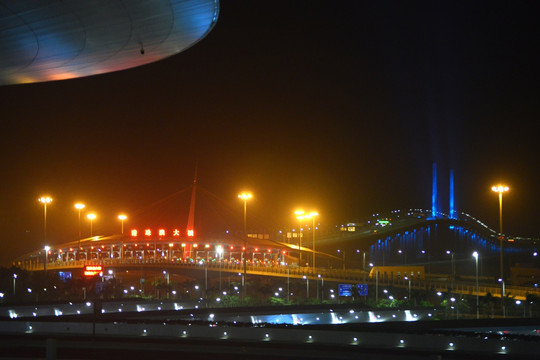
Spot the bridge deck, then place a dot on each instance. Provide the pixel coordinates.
(433, 283)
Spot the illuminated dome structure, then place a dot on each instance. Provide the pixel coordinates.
(45, 40)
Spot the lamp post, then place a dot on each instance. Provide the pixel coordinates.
(500, 189)
(219, 253)
(408, 278)
(245, 197)
(46, 248)
(322, 288)
(502, 297)
(343, 257)
(475, 255)
(452, 269)
(122, 218)
(14, 283)
(364, 266)
(307, 286)
(311, 216)
(91, 217)
(79, 207)
(45, 200)
(300, 216)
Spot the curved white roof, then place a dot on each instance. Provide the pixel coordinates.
(44, 40)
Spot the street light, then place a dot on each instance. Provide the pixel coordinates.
(79, 207)
(475, 255)
(219, 252)
(322, 287)
(500, 189)
(245, 197)
(91, 217)
(343, 257)
(408, 278)
(14, 282)
(453, 269)
(46, 248)
(122, 217)
(300, 216)
(502, 297)
(311, 216)
(45, 200)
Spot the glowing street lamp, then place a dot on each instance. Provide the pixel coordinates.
(408, 278)
(122, 217)
(500, 189)
(312, 216)
(300, 216)
(453, 270)
(46, 248)
(79, 207)
(45, 200)
(91, 217)
(503, 285)
(245, 197)
(219, 253)
(475, 255)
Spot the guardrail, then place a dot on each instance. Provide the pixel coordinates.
(139, 335)
(325, 274)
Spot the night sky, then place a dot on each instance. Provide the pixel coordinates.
(338, 106)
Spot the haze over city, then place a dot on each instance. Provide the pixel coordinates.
(333, 105)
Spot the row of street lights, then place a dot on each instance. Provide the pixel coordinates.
(45, 200)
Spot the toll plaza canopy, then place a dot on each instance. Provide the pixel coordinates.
(44, 40)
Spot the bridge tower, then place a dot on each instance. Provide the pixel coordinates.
(434, 195)
(452, 212)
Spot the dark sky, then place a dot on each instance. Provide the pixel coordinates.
(340, 106)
